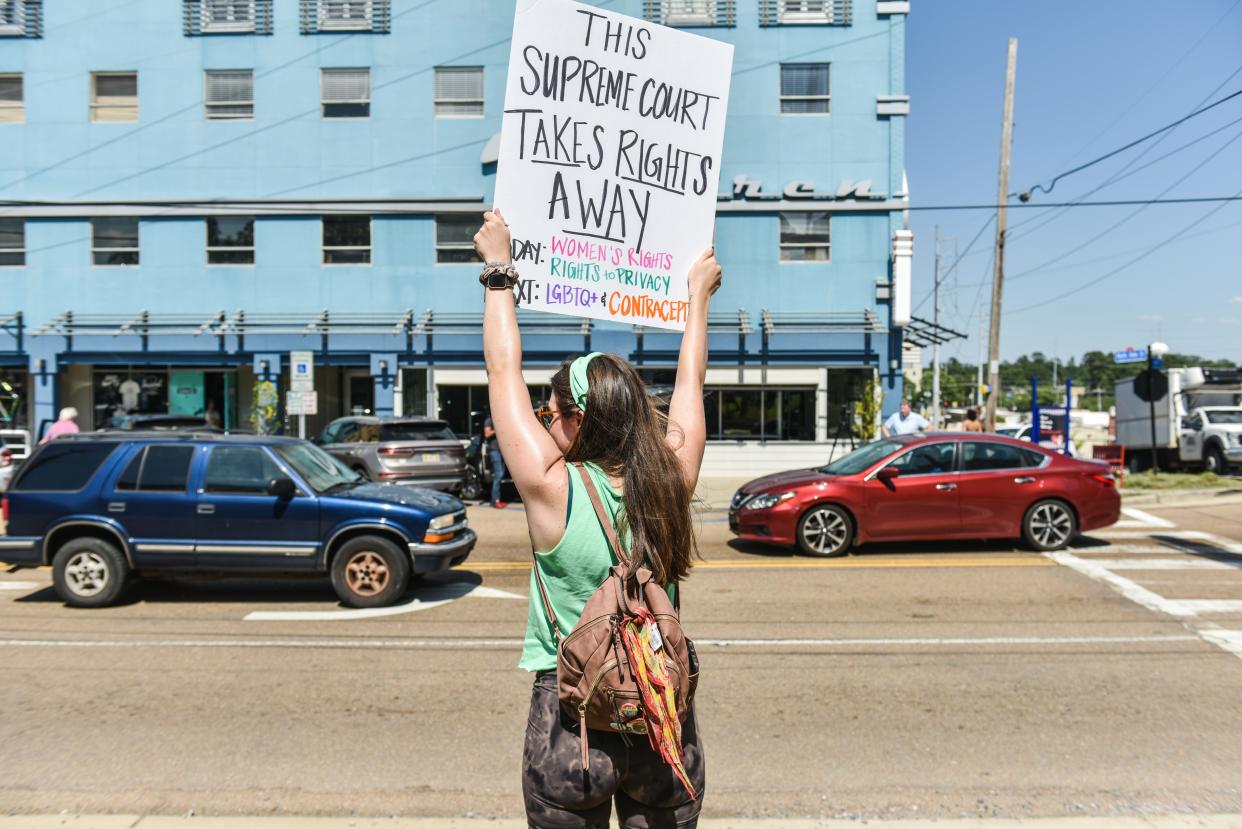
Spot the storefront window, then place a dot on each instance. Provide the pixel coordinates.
(759, 414)
(414, 392)
(741, 414)
(463, 408)
(121, 393)
(12, 399)
(798, 414)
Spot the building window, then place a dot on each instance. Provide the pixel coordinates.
(804, 88)
(455, 239)
(12, 100)
(804, 12)
(114, 241)
(693, 12)
(12, 243)
(346, 16)
(752, 413)
(346, 93)
(114, 96)
(805, 237)
(226, 17)
(347, 240)
(21, 18)
(230, 240)
(228, 93)
(459, 92)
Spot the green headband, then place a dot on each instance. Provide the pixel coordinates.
(578, 383)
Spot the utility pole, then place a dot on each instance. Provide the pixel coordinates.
(936, 342)
(1002, 202)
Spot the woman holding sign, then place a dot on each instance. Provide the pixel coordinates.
(601, 431)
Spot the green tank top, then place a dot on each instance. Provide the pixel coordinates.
(572, 570)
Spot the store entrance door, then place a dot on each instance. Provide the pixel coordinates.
(187, 393)
(359, 392)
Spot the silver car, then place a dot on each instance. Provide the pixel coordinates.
(400, 450)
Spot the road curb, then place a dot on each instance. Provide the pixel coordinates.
(1230, 821)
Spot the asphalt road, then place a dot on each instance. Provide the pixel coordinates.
(913, 680)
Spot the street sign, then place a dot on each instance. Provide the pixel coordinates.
(302, 402)
(1130, 355)
(301, 371)
(1151, 384)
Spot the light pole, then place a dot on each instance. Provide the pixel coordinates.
(1155, 352)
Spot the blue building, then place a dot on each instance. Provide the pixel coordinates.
(191, 191)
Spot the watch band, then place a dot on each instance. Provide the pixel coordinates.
(498, 276)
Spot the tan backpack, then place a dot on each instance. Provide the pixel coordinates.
(594, 678)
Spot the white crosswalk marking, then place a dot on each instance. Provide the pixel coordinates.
(1165, 564)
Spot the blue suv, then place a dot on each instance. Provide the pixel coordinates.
(102, 508)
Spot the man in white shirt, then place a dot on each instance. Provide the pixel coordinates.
(904, 422)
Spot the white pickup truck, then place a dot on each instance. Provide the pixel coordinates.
(1204, 408)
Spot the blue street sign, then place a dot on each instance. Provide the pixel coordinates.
(1130, 355)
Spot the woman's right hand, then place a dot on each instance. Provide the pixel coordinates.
(705, 275)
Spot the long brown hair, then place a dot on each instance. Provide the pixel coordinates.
(623, 433)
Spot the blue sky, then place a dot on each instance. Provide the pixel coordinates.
(1091, 77)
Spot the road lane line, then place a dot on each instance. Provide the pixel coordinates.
(1146, 518)
(844, 564)
(429, 599)
(20, 585)
(1132, 591)
(1193, 607)
(1165, 564)
(450, 644)
(1230, 640)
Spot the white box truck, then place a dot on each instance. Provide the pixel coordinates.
(1203, 407)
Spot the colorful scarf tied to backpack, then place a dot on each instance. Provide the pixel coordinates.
(644, 648)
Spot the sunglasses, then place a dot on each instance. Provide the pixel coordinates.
(547, 416)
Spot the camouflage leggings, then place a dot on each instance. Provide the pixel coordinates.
(559, 796)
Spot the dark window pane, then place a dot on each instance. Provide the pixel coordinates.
(12, 233)
(240, 470)
(119, 258)
(115, 232)
(456, 229)
(116, 86)
(456, 255)
(347, 231)
(932, 459)
(346, 110)
(415, 431)
(798, 415)
(804, 79)
(711, 413)
(230, 231)
(129, 478)
(166, 468)
(347, 257)
(981, 456)
(12, 260)
(63, 466)
(230, 257)
(741, 411)
(771, 415)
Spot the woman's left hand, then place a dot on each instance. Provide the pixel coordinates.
(492, 242)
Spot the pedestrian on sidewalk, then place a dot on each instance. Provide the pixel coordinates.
(972, 423)
(66, 424)
(904, 422)
(644, 468)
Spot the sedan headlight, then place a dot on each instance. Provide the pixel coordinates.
(768, 501)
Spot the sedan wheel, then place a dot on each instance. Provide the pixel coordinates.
(825, 531)
(370, 571)
(1049, 525)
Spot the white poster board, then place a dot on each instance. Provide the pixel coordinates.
(609, 160)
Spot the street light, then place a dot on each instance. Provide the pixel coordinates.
(1155, 351)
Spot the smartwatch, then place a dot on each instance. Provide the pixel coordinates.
(497, 276)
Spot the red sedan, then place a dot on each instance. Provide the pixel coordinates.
(929, 486)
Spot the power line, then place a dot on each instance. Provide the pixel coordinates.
(1236, 197)
(1027, 195)
(962, 256)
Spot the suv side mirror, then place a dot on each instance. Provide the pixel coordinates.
(888, 473)
(282, 488)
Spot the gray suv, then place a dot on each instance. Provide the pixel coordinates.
(401, 450)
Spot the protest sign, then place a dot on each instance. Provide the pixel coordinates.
(609, 160)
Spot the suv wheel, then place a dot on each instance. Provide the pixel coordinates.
(89, 572)
(1049, 525)
(370, 571)
(825, 531)
(1214, 460)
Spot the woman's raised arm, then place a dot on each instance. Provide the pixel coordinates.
(535, 464)
(687, 431)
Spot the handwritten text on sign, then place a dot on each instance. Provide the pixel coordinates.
(609, 160)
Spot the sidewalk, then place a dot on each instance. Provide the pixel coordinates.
(159, 822)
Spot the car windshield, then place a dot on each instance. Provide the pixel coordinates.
(862, 457)
(414, 431)
(1226, 417)
(320, 470)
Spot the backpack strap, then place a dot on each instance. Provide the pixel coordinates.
(604, 521)
(543, 596)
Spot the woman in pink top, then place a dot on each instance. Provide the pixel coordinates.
(64, 425)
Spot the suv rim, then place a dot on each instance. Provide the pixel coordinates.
(1050, 524)
(86, 574)
(366, 573)
(825, 531)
